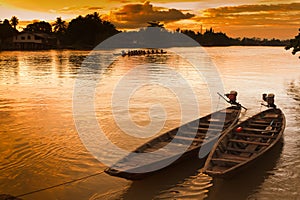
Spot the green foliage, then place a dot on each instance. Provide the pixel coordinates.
(294, 44)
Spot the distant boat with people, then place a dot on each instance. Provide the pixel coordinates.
(143, 52)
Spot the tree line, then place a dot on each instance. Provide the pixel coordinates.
(212, 38)
(88, 31)
(83, 32)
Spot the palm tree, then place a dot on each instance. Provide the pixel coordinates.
(59, 25)
(60, 28)
(14, 21)
(95, 16)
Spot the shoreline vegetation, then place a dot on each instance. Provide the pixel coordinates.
(86, 32)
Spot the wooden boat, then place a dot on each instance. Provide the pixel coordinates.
(176, 145)
(244, 143)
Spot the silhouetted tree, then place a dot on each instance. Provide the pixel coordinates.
(95, 16)
(59, 25)
(210, 38)
(294, 44)
(155, 24)
(6, 22)
(39, 27)
(60, 28)
(14, 21)
(6, 32)
(88, 31)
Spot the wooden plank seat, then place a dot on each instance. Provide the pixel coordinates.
(271, 115)
(240, 150)
(259, 130)
(210, 129)
(262, 125)
(192, 135)
(226, 160)
(233, 157)
(261, 121)
(219, 121)
(210, 124)
(249, 142)
(256, 135)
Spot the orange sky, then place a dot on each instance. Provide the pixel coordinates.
(237, 18)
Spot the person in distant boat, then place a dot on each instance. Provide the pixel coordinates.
(232, 96)
(270, 99)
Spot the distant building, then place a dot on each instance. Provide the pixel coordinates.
(33, 41)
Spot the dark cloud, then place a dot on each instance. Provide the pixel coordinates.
(255, 15)
(95, 8)
(137, 15)
(256, 8)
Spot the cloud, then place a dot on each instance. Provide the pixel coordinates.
(256, 8)
(95, 8)
(76, 9)
(279, 14)
(137, 15)
(253, 20)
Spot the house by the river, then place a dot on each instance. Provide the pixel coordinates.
(33, 41)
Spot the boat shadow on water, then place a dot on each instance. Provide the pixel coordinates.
(245, 183)
(164, 181)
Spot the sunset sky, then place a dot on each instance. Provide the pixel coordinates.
(237, 18)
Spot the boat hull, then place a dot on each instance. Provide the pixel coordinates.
(242, 146)
(208, 127)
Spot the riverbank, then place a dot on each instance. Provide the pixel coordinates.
(89, 48)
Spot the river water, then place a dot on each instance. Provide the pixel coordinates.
(42, 149)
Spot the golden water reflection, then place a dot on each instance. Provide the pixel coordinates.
(40, 146)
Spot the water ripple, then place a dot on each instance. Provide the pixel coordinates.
(193, 187)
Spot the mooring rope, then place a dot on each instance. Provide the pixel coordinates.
(61, 184)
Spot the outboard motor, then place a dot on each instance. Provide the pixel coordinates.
(270, 99)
